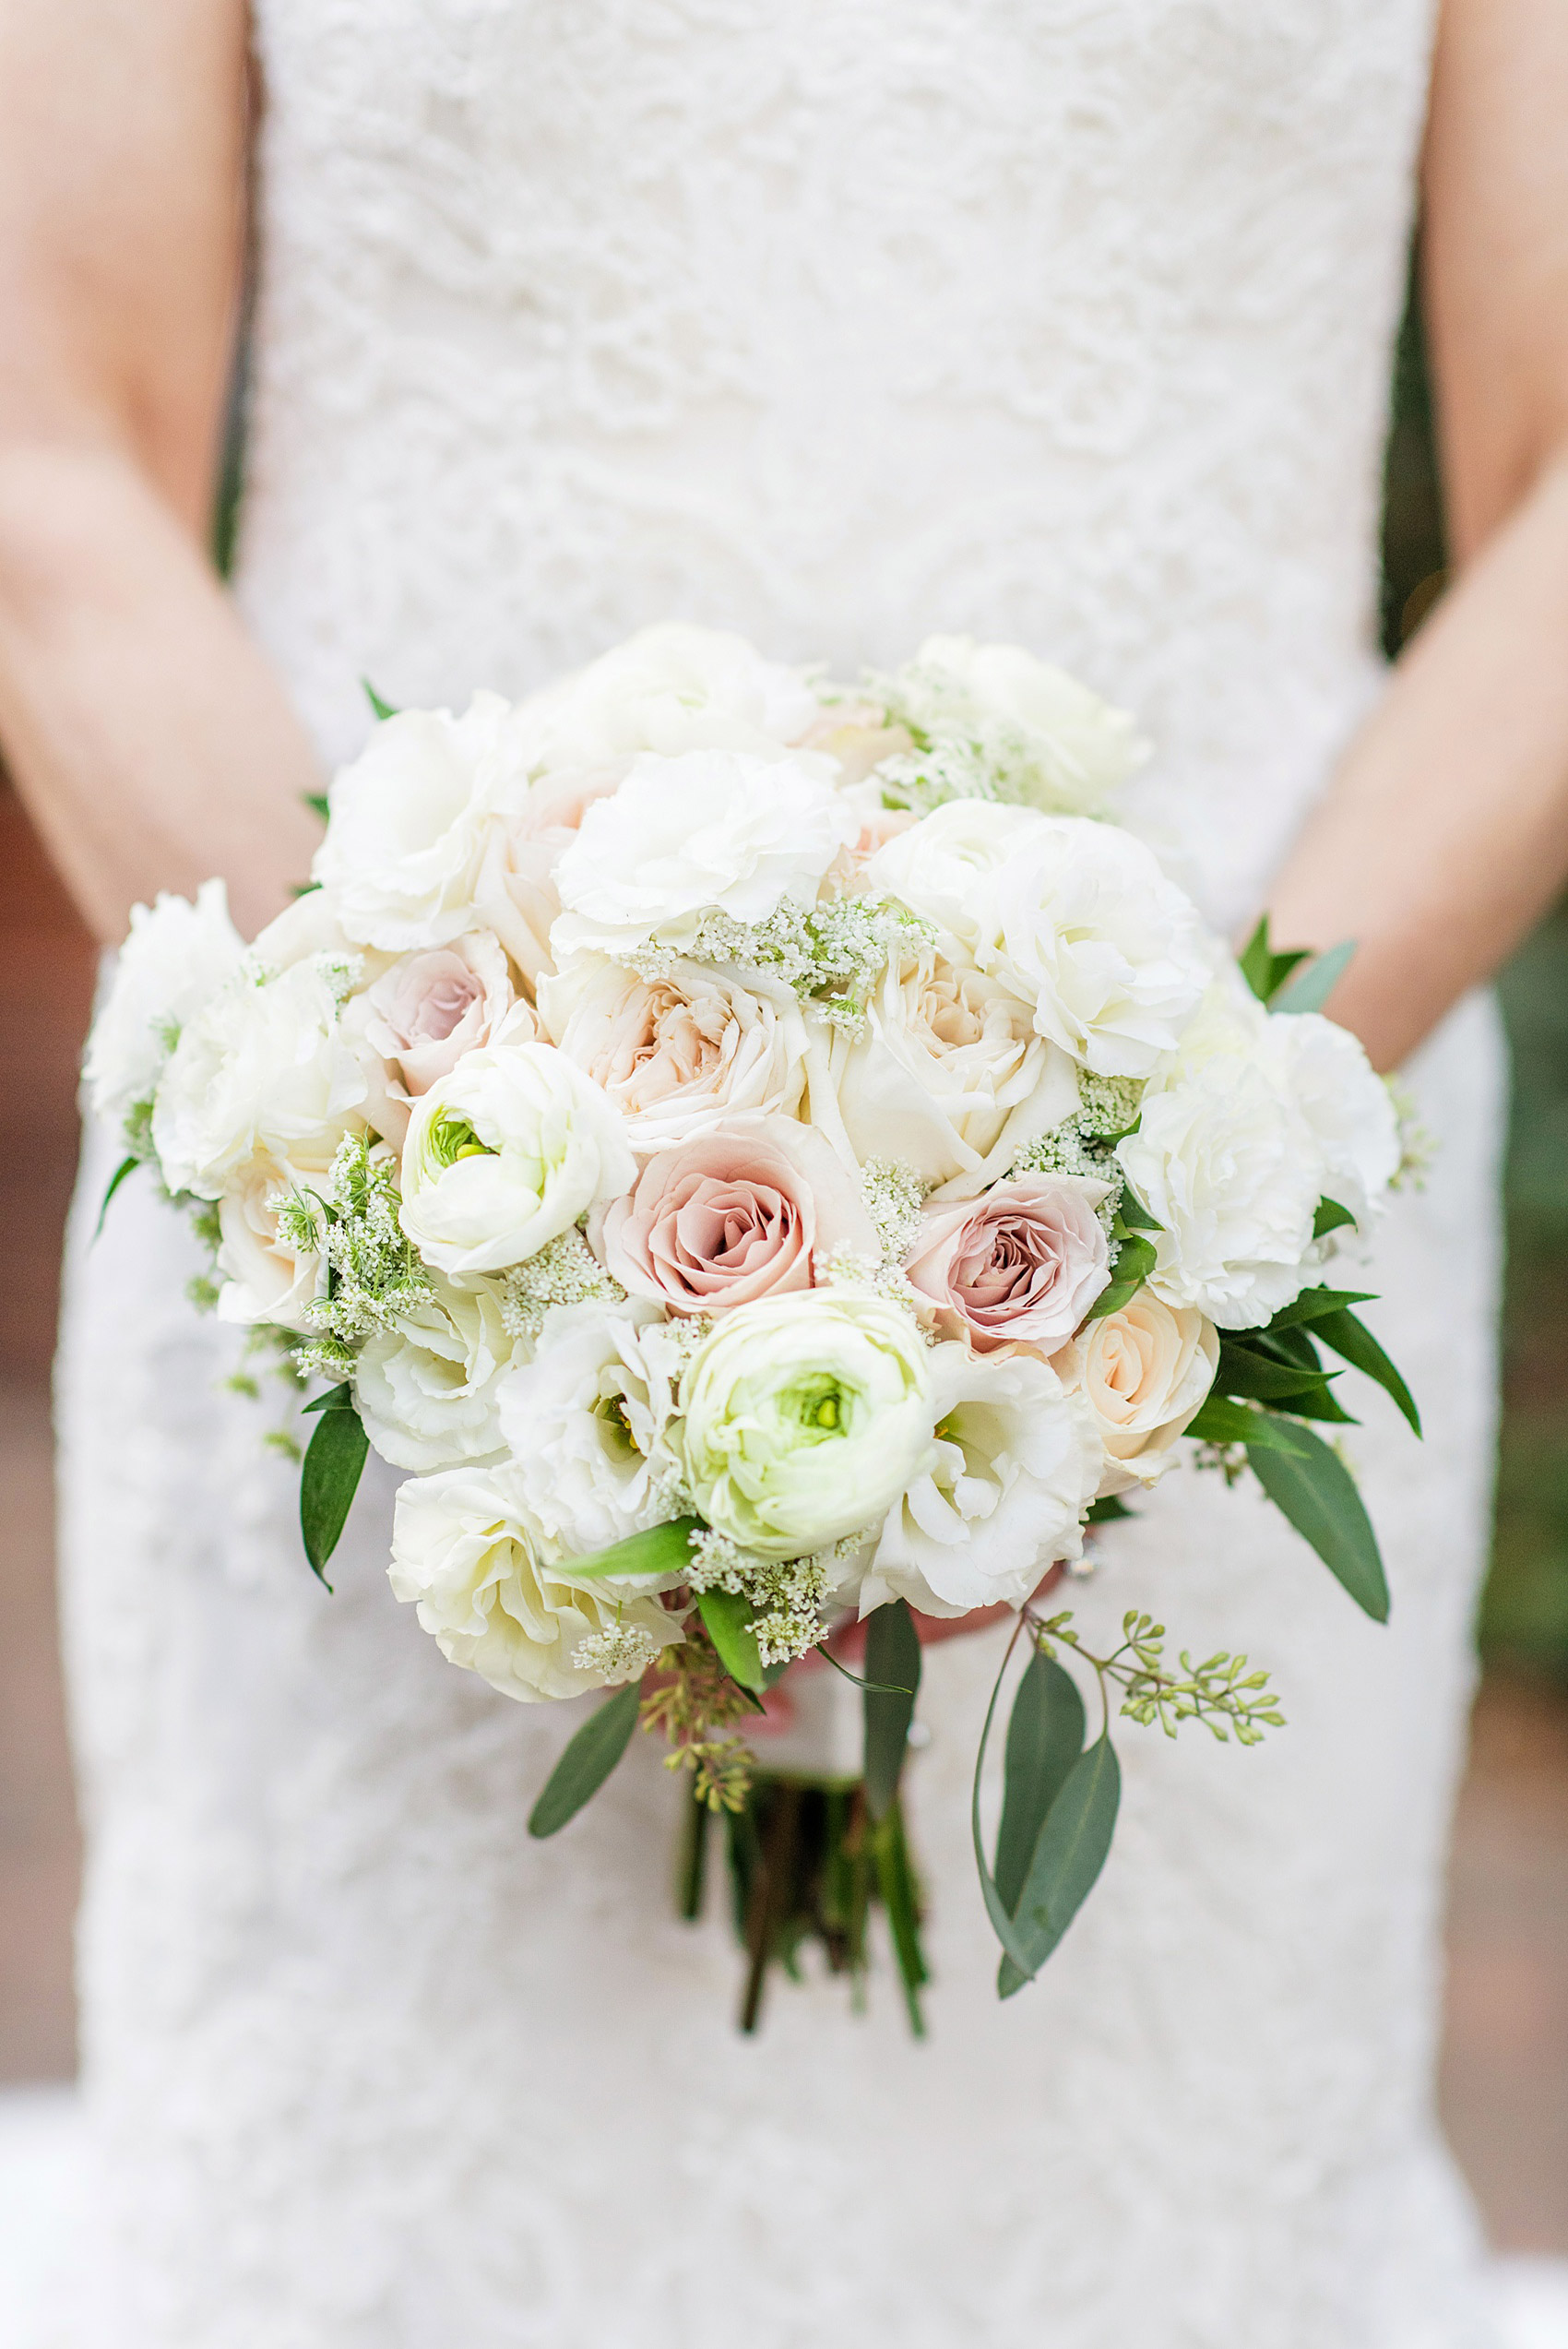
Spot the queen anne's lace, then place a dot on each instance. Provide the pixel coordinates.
(836, 322)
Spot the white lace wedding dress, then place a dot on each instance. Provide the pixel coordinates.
(1065, 321)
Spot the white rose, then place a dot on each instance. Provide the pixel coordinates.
(1016, 1464)
(175, 958)
(466, 1553)
(265, 1279)
(264, 1066)
(584, 1422)
(410, 819)
(669, 690)
(1144, 1373)
(714, 831)
(1059, 745)
(427, 1387)
(949, 1076)
(945, 867)
(1347, 1104)
(806, 1417)
(679, 1054)
(504, 1154)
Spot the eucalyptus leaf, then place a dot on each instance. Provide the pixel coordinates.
(1309, 990)
(587, 1761)
(1071, 1849)
(660, 1549)
(728, 1619)
(1352, 1338)
(335, 1399)
(893, 1677)
(1330, 1217)
(1226, 1423)
(127, 1166)
(1316, 1492)
(1319, 1404)
(995, 1907)
(329, 1478)
(1311, 1305)
(379, 707)
(1045, 1736)
(1256, 1376)
(1264, 971)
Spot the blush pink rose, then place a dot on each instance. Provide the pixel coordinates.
(422, 1015)
(515, 891)
(1020, 1265)
(750, 1209)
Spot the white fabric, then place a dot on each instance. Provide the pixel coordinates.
(838, 322)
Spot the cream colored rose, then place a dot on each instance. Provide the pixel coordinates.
(426, 1388)
(1144, 1373)
(949, 1076)
(679, 1054)
(468, 1555)
(263, 1279)
(514, 892)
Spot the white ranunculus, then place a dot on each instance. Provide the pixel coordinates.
(427, 1387)
(682, 1053)
(585, 1424)
(714, 831)
(1230, 1168)
(175, 958)
(264, 1066)
(949, 1076)
(263, 1278)
(806, 1415)
(669, 690)
(1057, 744)
(410, 819)
(1329, 1078)
(1144, 1373)
(504, 1154)
(946, 865)
(467, 1555)
(1015, 1463)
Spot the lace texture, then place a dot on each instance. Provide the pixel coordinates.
(838, 323)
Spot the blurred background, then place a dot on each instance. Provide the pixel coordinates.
(1505, 2071)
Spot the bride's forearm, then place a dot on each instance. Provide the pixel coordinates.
(1445, 833)
(146, 732)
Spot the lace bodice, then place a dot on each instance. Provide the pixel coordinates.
(840, 321)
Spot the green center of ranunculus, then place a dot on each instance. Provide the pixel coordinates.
(820, 1406)
(452, 1138)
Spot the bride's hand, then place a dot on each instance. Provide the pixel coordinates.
(150, 739)
(1445, 833)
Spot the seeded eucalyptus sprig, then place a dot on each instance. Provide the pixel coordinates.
(1220, 1692)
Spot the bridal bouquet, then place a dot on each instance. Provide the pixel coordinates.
(768, 1157)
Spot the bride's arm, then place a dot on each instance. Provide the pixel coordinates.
(146, 732)
(1445, 833)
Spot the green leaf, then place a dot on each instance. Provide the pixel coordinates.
(1321, 1405)
(1107, 1511)
(587, 1761)
(1311, 1305)
(1354, 1342)
(1067, 1860)
(1134, 1214)
(893, 1665)
(995, 1907)
(1135, 1262)
(127, 1166)
(661, 1549)
(1045, 1736)
(1316, 1492)
(728, 1619)
(318, 804)
(330, 1477)
(1330, 1217)
(896, 1881)
(379, 707)
(1310, 989)
(1261, 1380)
(1264, 971)
(335, 1399)
(1224, 1423)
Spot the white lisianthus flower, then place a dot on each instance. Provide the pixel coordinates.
(682, 1053)
(175, 958)
(504, 1154)
(1144, 1372)
(264, 1066)
(949, 1076)
(806, 1415)
(427, 1387)
(714, 831)
(466, 1553)
(1058, 745)
(1015, 1463)
(1347, 1104)
(669, 690)
(584, 1422)
(264, 1278)
(410, 819)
